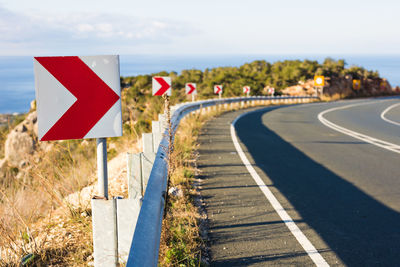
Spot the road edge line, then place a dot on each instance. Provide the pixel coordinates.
(385, 111)
(363, 137)
(291, 225)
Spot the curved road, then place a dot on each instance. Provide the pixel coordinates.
(333, 167)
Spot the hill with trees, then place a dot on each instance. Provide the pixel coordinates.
(142, 108)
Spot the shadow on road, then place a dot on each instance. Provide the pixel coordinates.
(361, 230)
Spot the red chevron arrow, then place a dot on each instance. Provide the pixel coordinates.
(218, 89)
(94, 97)
(164, 85)
(192, 88)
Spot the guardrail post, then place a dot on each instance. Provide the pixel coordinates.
(127, 215)
(163, 122)
(147, 160)
(157, 135)
(147, 141)
(105, 243)
(139, 168)
(134, 172)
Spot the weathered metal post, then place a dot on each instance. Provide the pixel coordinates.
(102, 173)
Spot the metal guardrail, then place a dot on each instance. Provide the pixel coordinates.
(146, 239)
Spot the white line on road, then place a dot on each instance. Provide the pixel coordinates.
(301, 238)
(368, 139)
(385, 111)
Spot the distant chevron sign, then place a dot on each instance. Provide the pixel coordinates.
(217, 89)
(190, 88)
(162, 85)
(78, 97)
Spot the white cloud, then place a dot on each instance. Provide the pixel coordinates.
(79, 32)
(84, 27)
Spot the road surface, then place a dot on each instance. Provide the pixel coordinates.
(333, 167)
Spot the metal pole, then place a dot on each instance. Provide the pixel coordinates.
(219, 95)
(192, 97)
(102, 167)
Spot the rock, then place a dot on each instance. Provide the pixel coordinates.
(18, 147)
(33, 105)
(81, 199)
(30, 123)
(85, 143)
(21, 142)
(175, 191)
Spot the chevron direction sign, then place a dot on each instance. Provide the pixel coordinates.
(217, 89)
(190, 88)
(162, 85)
(78, 97)
(246, 89)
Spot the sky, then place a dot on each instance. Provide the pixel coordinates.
(188, 27)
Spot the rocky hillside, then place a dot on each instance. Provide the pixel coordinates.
(343, 86)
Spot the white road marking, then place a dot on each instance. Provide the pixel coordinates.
(385, 111)
(368, 139)
(294, 229)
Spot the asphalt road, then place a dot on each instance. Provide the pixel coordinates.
(342, 192)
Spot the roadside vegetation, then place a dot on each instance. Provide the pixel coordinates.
(37, 223)
(181, 243)
(257, 74)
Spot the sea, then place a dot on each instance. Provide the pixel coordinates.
(17, 88)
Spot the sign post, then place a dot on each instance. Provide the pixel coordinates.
(102, 173)
(161, 86)
(191, 89)
(319, 83)
(246, 90)
(79, 98)
(271, 91)
(356, 85)
(383, 85)
(218, 90)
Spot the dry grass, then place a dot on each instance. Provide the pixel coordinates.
(36, 220)
(27, 204)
